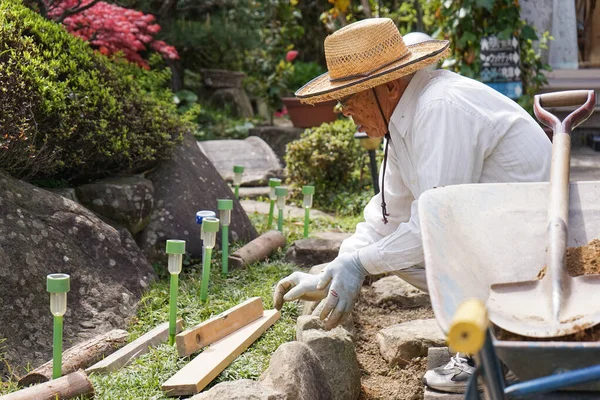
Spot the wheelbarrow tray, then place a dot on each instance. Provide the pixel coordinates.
(475, 235)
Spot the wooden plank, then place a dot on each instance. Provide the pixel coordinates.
(134, 349)
(207, 365)
(193, 339)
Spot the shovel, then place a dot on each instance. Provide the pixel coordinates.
(557, 304)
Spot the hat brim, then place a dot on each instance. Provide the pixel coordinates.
(421, 55)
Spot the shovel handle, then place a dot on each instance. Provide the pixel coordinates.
(585, 99)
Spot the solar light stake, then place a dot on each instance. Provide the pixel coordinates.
(200, 215)
(273, 183)
(225, 206)
(175, 250)
(58, 285)
(308, 192)
(210, 226)
(281, 193)
(238, 170)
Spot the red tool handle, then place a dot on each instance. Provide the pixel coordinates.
(569, 98)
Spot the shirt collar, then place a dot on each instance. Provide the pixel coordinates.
(403, 111)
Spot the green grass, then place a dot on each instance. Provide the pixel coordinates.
(143, 378)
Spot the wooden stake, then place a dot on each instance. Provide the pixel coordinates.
(140, 346)
(211, 330)
(207, 365)
(66, 387)
(79, 356)
(257, 250)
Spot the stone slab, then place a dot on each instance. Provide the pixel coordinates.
(253, 206)
(254, 154)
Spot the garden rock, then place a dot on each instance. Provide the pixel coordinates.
(69, 193)
(277, 137)
(43, 233)
(392, 289)
(242, 389)
(311, 251)
(182, 186)
(128, 201)
(258, 159)
(295, 370)
(335, 350)
(400, 343)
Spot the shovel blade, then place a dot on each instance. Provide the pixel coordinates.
(526, 308)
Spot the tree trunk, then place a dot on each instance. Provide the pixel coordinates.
(66, 387)
(257, 250)
(79, 356)
(420, 26)
(366, 8)
(176, 74)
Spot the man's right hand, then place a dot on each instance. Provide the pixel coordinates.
(298, 285)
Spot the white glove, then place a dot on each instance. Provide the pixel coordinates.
(344, 276)
(298, 285)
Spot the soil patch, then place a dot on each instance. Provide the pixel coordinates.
(378, 380)
(583, 260)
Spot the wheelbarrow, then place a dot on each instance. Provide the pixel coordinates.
(478, 235)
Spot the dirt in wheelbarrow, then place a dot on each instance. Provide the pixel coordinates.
(378, 379)
(583, 260)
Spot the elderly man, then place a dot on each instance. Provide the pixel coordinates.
(440, 129)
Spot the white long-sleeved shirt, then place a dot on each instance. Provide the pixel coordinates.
(445, 130)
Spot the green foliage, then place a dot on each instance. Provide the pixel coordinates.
(266, 66)
(465, 22)
(301, 73)
(73, 113)
(329, 158)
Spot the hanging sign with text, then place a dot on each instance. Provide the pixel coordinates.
(500, 65)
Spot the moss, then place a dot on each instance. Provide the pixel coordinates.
(72, 113)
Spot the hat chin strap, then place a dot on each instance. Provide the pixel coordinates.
(385, 153)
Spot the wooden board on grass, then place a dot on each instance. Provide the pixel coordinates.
(140, 346)
(193, 339)
(207, 365)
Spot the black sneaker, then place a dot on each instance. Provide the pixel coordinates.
(452, 377)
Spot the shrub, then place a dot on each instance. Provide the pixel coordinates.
(70, 113)
(329, 158)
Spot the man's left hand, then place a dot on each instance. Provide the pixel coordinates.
(345, 276)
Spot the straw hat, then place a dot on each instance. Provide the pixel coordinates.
(366, 54)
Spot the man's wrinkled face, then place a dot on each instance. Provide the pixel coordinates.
(362, 108)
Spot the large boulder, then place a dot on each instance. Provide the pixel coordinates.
(183, 185)
(125, 201)
(43, 233)
(295, 370)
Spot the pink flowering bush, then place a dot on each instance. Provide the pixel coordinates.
(111, 28)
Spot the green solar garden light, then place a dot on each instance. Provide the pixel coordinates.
(58, 285)
(210, 226)
(238, 170)
(225, 206)
(200, 215)
(308, 192)
(273, 183)
(281, 193)
(175, 250)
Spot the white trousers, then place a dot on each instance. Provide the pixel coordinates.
(414, 275)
